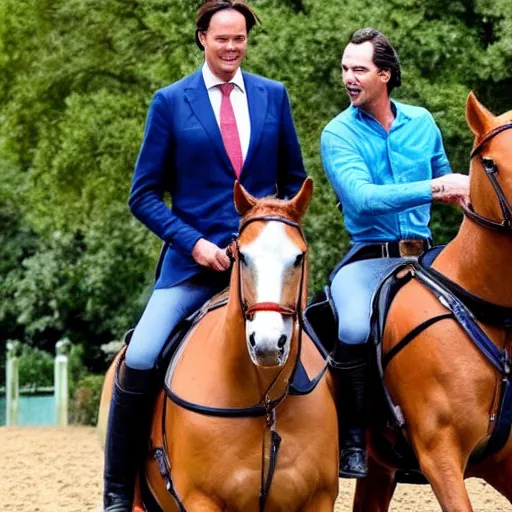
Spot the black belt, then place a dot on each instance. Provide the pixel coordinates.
(412, 247)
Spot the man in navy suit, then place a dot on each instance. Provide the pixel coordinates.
(202, 133)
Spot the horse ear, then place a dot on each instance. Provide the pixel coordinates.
(243, 200)
(301, 200)
(478, 117)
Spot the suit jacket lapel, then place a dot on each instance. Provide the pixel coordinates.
(258, 101)
(196, 95)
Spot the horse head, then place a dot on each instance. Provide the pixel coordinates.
(491, 167)
(270, 267)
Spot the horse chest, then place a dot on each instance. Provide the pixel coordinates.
(241, 488)
(227, 464)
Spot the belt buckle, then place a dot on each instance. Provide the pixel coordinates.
(385, 250)
(411, 248)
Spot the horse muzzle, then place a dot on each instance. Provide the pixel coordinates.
(269, 345)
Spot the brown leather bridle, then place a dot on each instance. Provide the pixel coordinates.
(248, 310)
(491, 170)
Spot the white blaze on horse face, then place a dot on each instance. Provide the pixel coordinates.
(269, 258)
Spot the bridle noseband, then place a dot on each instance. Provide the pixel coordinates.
(248, 311)
(491, 170)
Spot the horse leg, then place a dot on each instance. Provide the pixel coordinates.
(321, 502)
(499, 475)
(444, 468)
(374, 493)
(138, 505)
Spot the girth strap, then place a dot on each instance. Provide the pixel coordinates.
(386, 358)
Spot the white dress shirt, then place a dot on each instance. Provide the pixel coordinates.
(238, 99)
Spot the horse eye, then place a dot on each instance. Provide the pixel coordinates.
(298, 260)
(489, 165)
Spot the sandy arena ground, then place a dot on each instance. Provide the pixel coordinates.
(59, 470)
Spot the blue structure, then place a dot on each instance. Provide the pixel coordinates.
(34, 409)
(40, 406)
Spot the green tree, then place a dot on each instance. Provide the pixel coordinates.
(77, 76)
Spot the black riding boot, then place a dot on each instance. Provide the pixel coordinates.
(127, 435)
(349, 370)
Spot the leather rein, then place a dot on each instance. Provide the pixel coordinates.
(491, 170)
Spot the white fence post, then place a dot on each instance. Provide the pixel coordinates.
(12, 388)
(61, 382)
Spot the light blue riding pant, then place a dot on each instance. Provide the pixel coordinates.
(352, 291)
(165, 308)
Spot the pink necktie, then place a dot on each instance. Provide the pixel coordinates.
(229, 130)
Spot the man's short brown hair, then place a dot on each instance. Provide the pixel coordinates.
(210, 7)
(384, 55)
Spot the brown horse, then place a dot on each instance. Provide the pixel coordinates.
(237, 440)
(447, 390)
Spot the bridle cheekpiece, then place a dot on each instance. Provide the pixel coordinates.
(491, 170)
(248, 311)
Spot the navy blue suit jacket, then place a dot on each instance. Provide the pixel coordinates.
(183, 153)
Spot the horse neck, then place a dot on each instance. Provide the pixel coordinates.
(479, 260)
(248, 381)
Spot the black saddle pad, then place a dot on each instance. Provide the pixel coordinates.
(320, 321)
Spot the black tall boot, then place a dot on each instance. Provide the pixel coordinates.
(349, 370)
(127, 435)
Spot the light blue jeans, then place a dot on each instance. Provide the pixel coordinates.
(352, 291)
(165, 308)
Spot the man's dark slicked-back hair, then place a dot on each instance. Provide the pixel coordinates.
(208, 8)
(384, 55)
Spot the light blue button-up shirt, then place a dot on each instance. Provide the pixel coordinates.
(383, 178)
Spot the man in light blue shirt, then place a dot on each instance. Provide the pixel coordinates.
(386, 163)
(383, 178)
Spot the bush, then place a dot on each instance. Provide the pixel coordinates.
(85, 403)
(36, 368)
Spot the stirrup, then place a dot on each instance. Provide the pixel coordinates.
(353, 463)
(117, 503)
